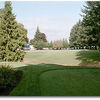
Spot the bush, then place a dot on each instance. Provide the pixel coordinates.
(9, 77)
(39, 45)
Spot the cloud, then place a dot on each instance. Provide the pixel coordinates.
(55, 28)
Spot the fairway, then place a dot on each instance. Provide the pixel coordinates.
(57, 80)
(61, 57)
(57, 73)
(50, 48)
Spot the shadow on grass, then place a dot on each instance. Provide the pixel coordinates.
(88, 56)
(31, 85)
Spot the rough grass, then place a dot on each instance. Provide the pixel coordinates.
(57, 80)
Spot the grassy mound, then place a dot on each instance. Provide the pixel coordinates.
(57, 80)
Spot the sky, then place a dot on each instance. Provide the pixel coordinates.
(54, 18)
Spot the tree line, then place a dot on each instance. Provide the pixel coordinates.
(40, 41)
(13, 35)
(86, 32)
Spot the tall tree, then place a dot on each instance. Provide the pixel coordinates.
(78, 36)
(74, 35)
(91, 21)
(39, 37)
(10, 44)
(23, 34)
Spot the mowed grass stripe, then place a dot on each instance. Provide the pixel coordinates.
(57, 80)
(70, 82)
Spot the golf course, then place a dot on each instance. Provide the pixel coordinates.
(58, 73)
(49, 48)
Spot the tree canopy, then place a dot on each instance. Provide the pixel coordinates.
(86, 32)
(12, 36)
(39, 41)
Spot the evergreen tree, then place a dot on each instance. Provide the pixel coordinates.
(65, 43)
(74, 35)
(1, 14)
(91, 21)
(23, 35)
(78, 37)
(39, 37)
(10, 44)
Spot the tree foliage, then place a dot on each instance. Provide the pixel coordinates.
(78, 37)
(65, 43)
(39, 45)
(91, 20)
(39, 40)
(59, 44)
(12, 37)
(86, 33)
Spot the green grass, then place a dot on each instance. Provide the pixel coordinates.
(60, 57)
(45, 75)
(88, 56)
(57, 80)
(63, 57)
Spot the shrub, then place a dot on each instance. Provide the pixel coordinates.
(9, 77)
(39, 45)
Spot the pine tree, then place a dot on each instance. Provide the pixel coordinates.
(39, 37)
(23, 35)
(78, 36)
(91, 21)
(10, 48)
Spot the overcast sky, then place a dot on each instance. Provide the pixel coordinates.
(55, 19)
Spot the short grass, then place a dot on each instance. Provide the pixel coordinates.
(54, 79)
(60, 57)
(58, 80)
(88, 56)
(63, 57)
